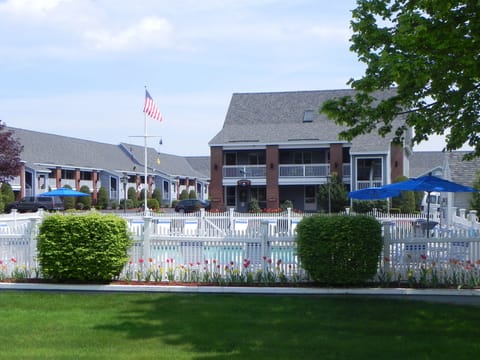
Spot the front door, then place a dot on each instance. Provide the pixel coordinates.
(310, 198)
(243, 198)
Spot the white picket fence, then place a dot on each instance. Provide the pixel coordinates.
(181, 247)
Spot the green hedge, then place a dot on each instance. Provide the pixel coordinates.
(88, 248)
(339, 250)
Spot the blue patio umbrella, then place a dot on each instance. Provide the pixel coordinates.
(429, 183)
(64, 192)
(373, 193)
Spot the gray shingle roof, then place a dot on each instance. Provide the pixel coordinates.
(48, 149)
(277, 118)
(43, 148)
(169, 164)
(462, 171)
(423, 162)
(459, 170)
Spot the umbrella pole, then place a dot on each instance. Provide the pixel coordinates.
(428, 214)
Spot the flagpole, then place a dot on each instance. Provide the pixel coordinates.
(145, 207)
(150, 109)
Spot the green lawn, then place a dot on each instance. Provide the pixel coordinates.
(41, 325)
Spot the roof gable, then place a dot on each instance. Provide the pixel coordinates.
(278, 118)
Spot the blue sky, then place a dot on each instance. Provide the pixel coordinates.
(79, 67)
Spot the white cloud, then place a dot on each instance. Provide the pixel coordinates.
(149, 32)
(30, 8)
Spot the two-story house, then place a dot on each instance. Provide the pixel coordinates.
(276, 146)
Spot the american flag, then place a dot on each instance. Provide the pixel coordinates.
(151, 109)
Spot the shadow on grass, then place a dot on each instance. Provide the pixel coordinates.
(286, 327)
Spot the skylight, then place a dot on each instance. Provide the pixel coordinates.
(308, 116)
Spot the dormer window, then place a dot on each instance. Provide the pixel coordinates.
(308, 116)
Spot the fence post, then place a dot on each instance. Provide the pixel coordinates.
(231, 220)
(201, 223)
(264, 224)
(147, 227)
(32, 242)
(289, 219)
(387, 228)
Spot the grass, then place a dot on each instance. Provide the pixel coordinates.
(41, 325)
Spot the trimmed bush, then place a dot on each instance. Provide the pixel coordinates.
(102, 198)
(84, 202)
(88, 248)
(339, 250)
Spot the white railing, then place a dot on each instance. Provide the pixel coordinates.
(363, 184)
(244, 171)
(306, 170)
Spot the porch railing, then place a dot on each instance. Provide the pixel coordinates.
(305, 170)
(244, 171)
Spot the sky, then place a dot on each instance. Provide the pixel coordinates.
(79, 68)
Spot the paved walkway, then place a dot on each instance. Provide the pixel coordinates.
(461, 297)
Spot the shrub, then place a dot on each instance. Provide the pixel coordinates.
(287, 204)
(129, 204)
(339, 250)
(157, 194)
(132, 196)
(253, 206)
(6, 193)
(84, 202)
(68, 201)
(183, 195)
(192, 194)
(152, 204)
(88, 248)
(102, 198)
(365, 206)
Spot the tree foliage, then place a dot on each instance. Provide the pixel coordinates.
(406, 200)
(427, 51)
(102, 198)
(475, 200)
(10, 150)
(335, 190)
(84, 202)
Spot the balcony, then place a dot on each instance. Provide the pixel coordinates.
(244, 171)
(307, 170)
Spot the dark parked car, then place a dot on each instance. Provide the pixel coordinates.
(192, 205)
(33, 203)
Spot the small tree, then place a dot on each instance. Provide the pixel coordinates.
(10, 150)
(335, 190)
(192, 194)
